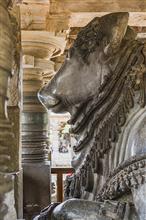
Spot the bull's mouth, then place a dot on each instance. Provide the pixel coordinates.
(57, 108)
(51, 103)
(51, 106)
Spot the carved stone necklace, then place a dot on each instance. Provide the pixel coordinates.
(104, 116)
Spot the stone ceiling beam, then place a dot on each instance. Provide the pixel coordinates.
(33, 17)
(36, 1)
(56, 15)
(73, 13)
(57, 6)
(81, 19)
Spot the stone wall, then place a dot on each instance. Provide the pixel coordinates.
(10, 161)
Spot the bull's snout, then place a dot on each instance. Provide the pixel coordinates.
(47, 100)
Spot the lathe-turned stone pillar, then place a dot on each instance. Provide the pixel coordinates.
(7, 210)
(38, 47)
(34, 146)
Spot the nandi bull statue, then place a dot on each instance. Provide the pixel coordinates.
(102, 84)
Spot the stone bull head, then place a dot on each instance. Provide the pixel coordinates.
(87, 63)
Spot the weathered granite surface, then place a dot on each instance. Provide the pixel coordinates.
(102, 84)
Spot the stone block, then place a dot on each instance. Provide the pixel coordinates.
(36, 188)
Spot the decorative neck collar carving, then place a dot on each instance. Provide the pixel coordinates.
(103, 119)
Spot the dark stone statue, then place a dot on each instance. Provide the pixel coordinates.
(102, 84)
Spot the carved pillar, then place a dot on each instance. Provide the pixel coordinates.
(7, 210)
(15, 108)
(34, 145)
(38, 47)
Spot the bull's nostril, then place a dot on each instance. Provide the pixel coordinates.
(47, 100)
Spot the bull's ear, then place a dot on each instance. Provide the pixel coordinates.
(113, 27)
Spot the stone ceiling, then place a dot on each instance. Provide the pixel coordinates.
(58, 16)
(50, 26)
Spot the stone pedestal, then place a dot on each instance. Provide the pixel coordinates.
(36, 167)
(36, 188)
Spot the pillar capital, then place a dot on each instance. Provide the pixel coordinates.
(42, 44)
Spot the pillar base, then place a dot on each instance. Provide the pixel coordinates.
(36, 186)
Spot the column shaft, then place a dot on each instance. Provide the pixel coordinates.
(7, 210)
(35, 146)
